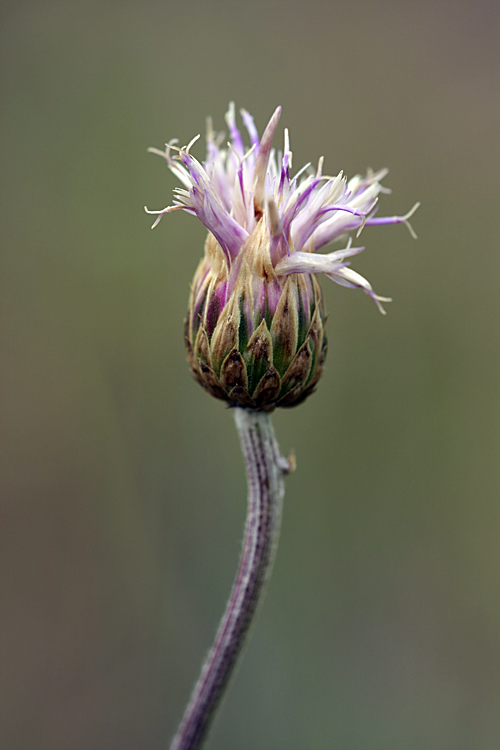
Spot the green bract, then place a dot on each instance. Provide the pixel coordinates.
(260, 344)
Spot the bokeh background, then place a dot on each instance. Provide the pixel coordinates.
(123, 492)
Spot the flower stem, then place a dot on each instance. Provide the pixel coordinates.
(265, 470)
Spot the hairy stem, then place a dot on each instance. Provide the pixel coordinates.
(265, 470)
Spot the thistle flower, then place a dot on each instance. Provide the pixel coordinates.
(255, 324)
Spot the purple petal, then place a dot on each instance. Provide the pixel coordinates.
(263, 157)
(251, 129)
(235, 134)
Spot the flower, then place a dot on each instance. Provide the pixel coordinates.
(254, 330)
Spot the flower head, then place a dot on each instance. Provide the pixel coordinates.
(254, 330)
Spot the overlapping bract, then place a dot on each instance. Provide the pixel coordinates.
(262, 344)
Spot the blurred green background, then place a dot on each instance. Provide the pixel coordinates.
(123, 491)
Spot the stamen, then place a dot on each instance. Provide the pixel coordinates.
(162, 213)
(398, 220)
(349, 278)
(378, 299)
(407, 223)
(301, 171)
(250, 151)
(157, 151)
(240, 158)
(191, 143)
(232, 148)
(362, 226)
(168, 147)
(165, 154)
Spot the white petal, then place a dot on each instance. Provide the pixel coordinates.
(331, 263)
(348, 277)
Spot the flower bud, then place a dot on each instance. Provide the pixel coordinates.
(254, 330)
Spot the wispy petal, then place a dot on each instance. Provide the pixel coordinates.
(236, 185)
(300, 262)
(348, 277)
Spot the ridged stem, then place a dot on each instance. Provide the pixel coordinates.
(265, 470)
